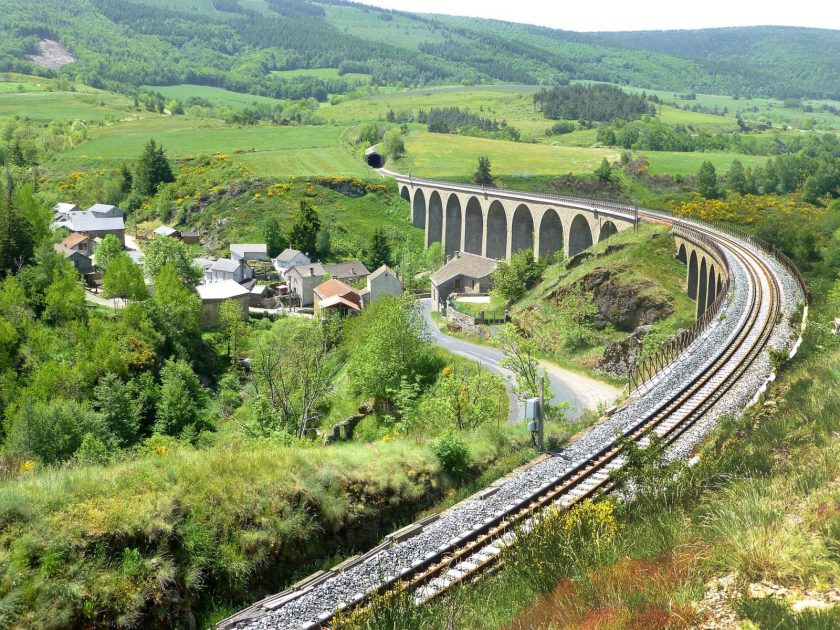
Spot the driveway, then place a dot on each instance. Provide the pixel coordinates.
(580, 391)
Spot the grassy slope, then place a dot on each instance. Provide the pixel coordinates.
(647, 257)
(762, 504)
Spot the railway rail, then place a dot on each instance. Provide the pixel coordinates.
(477, 548)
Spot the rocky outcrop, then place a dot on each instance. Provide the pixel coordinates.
(619, 356)
(623, 304)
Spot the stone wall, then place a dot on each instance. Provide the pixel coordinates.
(459, 322)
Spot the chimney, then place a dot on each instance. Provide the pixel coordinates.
(311, 271)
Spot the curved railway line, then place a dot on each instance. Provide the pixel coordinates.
(460, 558)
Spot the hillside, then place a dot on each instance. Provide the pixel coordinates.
(242, 45)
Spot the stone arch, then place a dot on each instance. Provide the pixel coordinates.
(521, 229)
(692, 275)
(418, 209)
(551, 234)
(496, 231)
(473, 227)
(711, 286)
(681, 255)
(452, 238)
(607, 229)
(702, 289)
(405, 194)
(580, 236)
(434, 230)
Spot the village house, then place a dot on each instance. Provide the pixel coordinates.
(348, 272)
(287, 259)
(212, 296)
(464, 273)
(81, 261)
(80, 243)
(248, 251)
(226, 269)
(97, 221)
(335, 296)
(302, 280)
(383, 281)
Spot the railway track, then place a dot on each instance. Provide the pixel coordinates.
(462, 557)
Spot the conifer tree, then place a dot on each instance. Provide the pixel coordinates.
(304, 233)
(380, 250)
(153, 169)
(483, 176)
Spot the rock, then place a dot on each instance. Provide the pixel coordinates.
(618, 355)
(367, 407)
(806, 604)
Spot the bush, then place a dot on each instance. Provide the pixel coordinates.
(452, 453)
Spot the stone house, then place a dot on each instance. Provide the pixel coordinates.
(302, 280)
(212, 296)
(464, 273)
(287, 259)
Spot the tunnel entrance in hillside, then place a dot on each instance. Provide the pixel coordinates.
(375, 160)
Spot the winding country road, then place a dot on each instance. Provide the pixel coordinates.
(580, 391)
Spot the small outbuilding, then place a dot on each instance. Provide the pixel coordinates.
(464, 273)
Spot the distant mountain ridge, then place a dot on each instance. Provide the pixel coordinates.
(121, 44)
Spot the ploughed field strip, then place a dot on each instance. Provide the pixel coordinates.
(439, 552)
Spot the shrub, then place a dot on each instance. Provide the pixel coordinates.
(452, 453)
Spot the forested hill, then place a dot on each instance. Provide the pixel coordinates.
(241, 44)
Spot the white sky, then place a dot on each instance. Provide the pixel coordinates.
(627, 15)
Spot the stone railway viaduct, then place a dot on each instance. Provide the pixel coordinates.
(497, 223)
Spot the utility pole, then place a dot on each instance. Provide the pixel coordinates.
(541, 419)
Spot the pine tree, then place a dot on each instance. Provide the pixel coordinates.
(735, 178)
(707, 181)
(483, 176)
(153, 169)
(324, 243)
(380, 250)
(16, 235)
(126, 180)
(275, 240)
(304, 233)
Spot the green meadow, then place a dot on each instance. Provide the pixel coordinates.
(222, 96)
(44, 105)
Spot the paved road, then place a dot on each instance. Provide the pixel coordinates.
(582, 392)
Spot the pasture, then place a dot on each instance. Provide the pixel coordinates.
(234, 100)
(264, 150)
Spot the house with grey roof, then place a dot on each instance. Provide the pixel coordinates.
(383, 281)
(213, 295)
(248, 251)
(81, 262)
(289, 258)
(464, 273)
(302, 280)
(97, 221)
(227, 269)
(348, 272)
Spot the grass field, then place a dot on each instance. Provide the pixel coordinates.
(219, 95)
(266, 150)
(442, 156)
(323, 73)
(43, 105)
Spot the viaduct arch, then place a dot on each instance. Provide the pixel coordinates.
(498, 223)
(706, 273)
